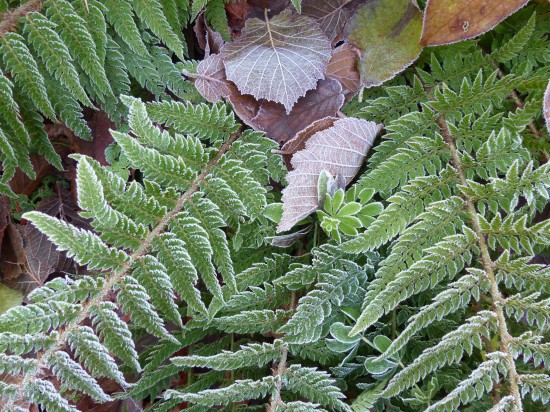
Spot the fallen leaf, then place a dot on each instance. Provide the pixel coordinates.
(450, 21)
(210, 79)
(5, 212)
(298, 142)
(209, 40)
(340, 150)
(12, 254)
(546, 106)
(279, 59)
(330, 14)
(324, 101)
(388, 34)
(237, 13)
(246, 107)
(343, 67)
(37, 256)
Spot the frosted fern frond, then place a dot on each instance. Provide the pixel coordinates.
(444, 260)
(314, 308)
(86, 247)
(480, 382)
(212, 122)
(450, 350)
(249, 355)
(19, 61)
(537, 386)
(315, 385)
(237, 392)
(458, 295)
(55, 55)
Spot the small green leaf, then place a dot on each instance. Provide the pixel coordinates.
(349, 209)
(382, 343)
(378, 367)
(372, 209)
(340, 332)
(337, 200)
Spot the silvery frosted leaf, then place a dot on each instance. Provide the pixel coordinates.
(340, 149)
(279, 59)
(546, 106)
(210, 79)
(330, 14)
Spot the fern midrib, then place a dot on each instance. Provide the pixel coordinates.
(505, 337)
(117, 276)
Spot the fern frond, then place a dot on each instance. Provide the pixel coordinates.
(314, 385)
(93, 355)
(480, 382)
(211, 122)
(114, 333)
(76, 36)
(445, 259)
(121, 17)
(249, 355)
(73, 376)
(239, 391)
(448, 351)
(151, 13)
(20, 62)
(456, 296)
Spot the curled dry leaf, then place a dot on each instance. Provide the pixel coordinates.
(343, 67)
(340, 149)
(272, 118)
(330, 14)
(450, 21)
(210, 79)
(388, 34)
(209, 40)
(324, 101)
(546, 106)
(298, 142)
(279, 59)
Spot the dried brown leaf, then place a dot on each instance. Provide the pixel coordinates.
(38, 256)
(210, 79)
(343, 67)
(279, 59)
(450, 21)
(340, 150)
(324, 101)
(12, 254)
(246, 107)
(209, 40)
(330, 14)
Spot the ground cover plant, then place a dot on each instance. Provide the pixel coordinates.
(281, 206)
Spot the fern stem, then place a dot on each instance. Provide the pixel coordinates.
(281, 368)
(10, 19)
(110, 282)
(488, 264)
